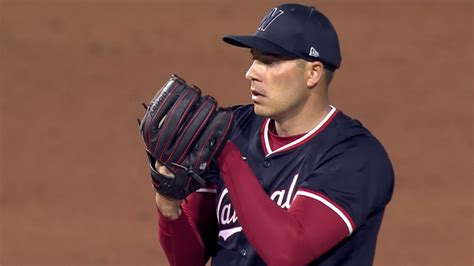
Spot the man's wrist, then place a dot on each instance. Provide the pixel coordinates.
(168, 207)
(171, 214)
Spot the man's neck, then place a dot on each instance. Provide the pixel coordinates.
(302, 122)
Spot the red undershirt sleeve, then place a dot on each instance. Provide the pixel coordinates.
(295, 236)
(189, 240)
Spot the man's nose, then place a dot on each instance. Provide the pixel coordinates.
(252, 72)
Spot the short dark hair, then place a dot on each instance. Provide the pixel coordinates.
(328, 75)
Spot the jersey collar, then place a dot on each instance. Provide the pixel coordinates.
(300, 141)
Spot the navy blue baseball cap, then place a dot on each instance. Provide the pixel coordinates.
(295, 31)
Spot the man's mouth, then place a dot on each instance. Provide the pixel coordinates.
(256, 95)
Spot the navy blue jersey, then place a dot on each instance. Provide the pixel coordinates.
(339, 163)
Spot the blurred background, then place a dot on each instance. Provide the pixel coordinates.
(74, 185)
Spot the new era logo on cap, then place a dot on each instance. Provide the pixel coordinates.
(269, 18)
(313, 52)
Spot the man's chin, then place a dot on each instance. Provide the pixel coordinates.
(258, 110)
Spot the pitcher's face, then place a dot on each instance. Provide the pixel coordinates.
(277, 85)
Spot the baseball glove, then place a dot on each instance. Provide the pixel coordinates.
(183, 131)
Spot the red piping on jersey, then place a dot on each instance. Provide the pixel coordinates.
(334, 204)
(265, 125)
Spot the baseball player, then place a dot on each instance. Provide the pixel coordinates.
(299, 182)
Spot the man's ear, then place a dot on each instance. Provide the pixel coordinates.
(315, 72)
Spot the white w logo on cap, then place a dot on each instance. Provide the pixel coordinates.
(269, 18)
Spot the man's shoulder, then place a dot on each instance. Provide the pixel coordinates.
(350, 137)
(345, 128)
(345, 133)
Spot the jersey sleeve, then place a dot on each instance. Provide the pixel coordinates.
(354, 179)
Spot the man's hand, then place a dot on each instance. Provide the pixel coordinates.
(185, 132)
(169, 207)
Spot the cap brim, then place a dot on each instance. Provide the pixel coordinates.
(258, 43)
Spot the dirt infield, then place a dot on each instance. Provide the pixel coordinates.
(74, 186)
